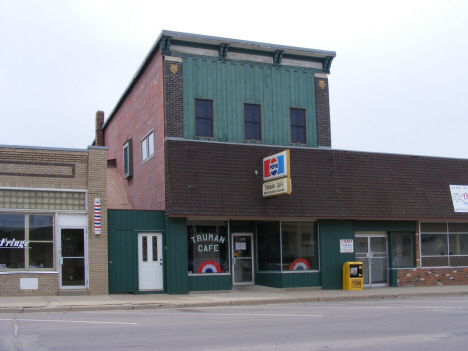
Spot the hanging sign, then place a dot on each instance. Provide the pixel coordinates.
(459, 197)
(97, 216)
(276, 166)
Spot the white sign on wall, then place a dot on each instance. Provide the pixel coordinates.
(459, 197)
(346, 245)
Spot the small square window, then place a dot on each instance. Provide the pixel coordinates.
(203, 118)
(127, 159)
(252, 122)
(298, 126)
(147, 147)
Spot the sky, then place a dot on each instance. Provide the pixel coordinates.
(398, 84)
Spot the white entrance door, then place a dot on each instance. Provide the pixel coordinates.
(150, 261)
(371, 250)
(242, 259)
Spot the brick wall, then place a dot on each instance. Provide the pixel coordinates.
(323, 111)
(141, 110)
(33, 168)
(97, 244)
(10, 284)
(173, 95)
(42, 168)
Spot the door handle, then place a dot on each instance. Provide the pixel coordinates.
(61, 260)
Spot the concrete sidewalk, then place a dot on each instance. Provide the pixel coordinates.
(246, 295)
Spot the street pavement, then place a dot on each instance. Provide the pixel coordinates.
(244, 295)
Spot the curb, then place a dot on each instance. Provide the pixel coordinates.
(226, 303)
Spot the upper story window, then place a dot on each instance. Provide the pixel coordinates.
(127, 159)
(203, 118)
(252, 122)
(298, 126)
(147, 146)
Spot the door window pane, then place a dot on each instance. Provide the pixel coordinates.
(72, 242)
(144, 248)
(155, 248)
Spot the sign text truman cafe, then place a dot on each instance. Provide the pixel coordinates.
(276, 175)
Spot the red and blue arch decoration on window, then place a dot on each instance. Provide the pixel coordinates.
(209, 266)
(299, 264)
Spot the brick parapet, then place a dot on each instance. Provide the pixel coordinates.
(141, 112)
(322, 112)
(173, 98)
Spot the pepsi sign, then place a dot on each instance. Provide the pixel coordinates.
(276, 166)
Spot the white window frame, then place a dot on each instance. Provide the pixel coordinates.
(147, 146)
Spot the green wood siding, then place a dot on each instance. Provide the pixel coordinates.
(208, 283)
(230, 85)
(176, 259)
(288, 280)
(331, 260)
(122, 248)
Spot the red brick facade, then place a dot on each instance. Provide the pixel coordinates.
(139, 112)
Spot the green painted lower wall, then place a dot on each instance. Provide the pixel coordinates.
(288, 280)
(176, 267)
(209, 283)
(331, 260)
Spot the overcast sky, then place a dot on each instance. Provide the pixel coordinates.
(398, 84)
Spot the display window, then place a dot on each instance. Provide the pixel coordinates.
(208, 247)
(287, 246)
(402, 245)
(444, 244)
(26, 242)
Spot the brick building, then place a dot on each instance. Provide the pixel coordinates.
(189, 209)
(49, 200)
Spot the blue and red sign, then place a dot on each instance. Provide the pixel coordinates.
(276, 166)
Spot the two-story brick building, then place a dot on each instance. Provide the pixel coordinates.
(186, 143)
(53, 221)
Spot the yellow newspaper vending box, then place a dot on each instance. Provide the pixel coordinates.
(353, 276)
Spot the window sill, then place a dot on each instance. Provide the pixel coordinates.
(29, 272)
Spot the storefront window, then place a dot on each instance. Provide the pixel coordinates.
(269, 246)
(287, 246)
(402, 249)
(299, 246)
(26, 242)
(208, 247)
(444, 244)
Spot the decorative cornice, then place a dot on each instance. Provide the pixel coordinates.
(223, 51)
(277, 57)
(166, 45)
(327, 64)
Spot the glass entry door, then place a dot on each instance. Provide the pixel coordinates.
(371, 250)
(242, 259)
(72, 258)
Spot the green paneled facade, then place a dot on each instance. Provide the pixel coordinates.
(124, 227)
(230, 85)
